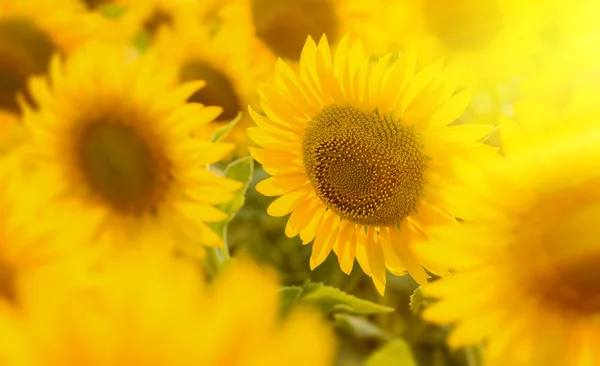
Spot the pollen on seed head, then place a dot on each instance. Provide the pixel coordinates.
(366, 167)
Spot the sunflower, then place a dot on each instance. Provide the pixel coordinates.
(148, 20)
(224, 65)
(30, 32)
(33, 258)
(360, 154)
(276, 28)
(485, 41)
(567, 63)
(128, 320)
(9, 131)
(526, 259)
(96, 4)
(110, 145)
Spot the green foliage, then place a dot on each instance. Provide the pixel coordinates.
(290, 295)
(222, 132)
(252, 232)
(241, 170)
(142, 41)
(419, 301)
(331, 300)
(112, 11)
(360, 328)
(395, 353)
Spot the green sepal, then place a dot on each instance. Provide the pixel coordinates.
(222, 132)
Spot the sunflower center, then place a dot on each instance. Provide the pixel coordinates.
(121, 166)
(284, 25)
(466, 25)
(25, 50)
(95, 4)
(567, 264)
(366, 167)
(156, 20)
(8, 285)
(218, 91)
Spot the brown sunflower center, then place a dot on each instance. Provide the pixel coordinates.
(566, 265)
(122, 167)
(366, 167)
(95, 4)
(218, 91)
(8, 283)
(25, 50)
(159, 18)
(284, 25)
(467, 25)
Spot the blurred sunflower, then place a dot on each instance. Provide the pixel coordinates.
(485, 41)
(111, 145)
(361, 153)
(527, 257)
(33, 258)
(153, 19)
(30, 32)
(129, 321)
(10, 132)
(276, 28)
(567, 69)
(223, 64)
(96, 4)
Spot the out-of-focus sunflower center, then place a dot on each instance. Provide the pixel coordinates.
(25, 50)
(285, 25)
(159, 18)
(568, 262)
(366, 167)
(218, 91)
(95, 4)
(122, 168)
(466, 25)
(8, 283)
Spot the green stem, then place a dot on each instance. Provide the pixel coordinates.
(223, 252)
(212, 262)
(474, 355)
(216, 257)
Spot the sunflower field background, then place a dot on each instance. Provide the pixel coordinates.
(175, 174)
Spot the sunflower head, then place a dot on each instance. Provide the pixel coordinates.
(32, 257)
(273, 29)
(364, 175)
(530, 231)
(225, 66)
(284, 25)
(30, 32)
(123, 320)
(149, 20)
(486, 41)
(361, 153)
(112, 143)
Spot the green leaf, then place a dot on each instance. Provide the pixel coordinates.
(330, 300)
(360, 328)
(220, 133)
(395, 353)
(333, 300)
(142, 41)
(419, 301)
(289, 296)
(242, 171)
(310, 287)
(112, 10)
